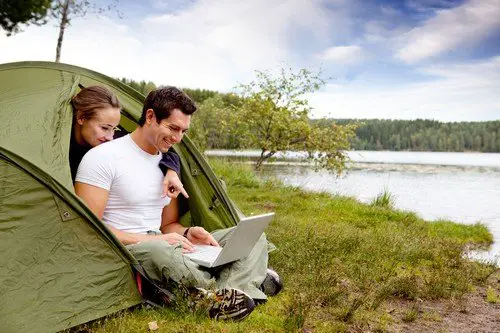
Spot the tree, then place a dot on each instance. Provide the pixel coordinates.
(13, 13)
(16, 12)
(212, 125)
(274, 116)
(477, 143)
(141, 86)
(65, 10)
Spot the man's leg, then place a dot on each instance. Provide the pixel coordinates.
(165, 263)
(246, 274)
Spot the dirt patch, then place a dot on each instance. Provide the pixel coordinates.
(477, 312)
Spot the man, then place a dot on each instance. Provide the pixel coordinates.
(121, 183)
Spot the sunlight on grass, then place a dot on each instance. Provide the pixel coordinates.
(475, 234)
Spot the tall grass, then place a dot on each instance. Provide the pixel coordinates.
(384, 199)
(340, 260)
(235, 174)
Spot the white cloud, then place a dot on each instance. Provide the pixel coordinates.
(347, 55)
(451, 28)
(215, 44)
(101, 44)
(457, 93)
(230, 39)
(209, 44)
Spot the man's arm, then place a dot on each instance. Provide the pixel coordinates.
(170, 218)
(170, 223)
(96, 199)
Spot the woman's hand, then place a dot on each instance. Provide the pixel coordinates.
(198, 235)
(172, 185)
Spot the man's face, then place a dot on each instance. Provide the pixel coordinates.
(169, 131)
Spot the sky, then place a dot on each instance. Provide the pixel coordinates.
(389, 59)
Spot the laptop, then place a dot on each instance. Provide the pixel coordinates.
(242, 241)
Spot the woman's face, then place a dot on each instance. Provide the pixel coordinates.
(101, 128)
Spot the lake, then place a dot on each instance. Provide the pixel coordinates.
(462, 187)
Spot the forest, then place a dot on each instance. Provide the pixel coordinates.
(423, 135)
(370, 134)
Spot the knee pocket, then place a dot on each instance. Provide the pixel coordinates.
(156, 252)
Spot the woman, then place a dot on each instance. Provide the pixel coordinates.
(96, 115)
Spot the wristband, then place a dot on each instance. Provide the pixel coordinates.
(186, 232)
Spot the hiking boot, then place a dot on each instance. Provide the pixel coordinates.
(228, 304)
(272, 284)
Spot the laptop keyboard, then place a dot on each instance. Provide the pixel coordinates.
(205, 253)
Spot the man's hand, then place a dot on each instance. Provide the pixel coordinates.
(174, 238)
(172, 185)
(198, 235)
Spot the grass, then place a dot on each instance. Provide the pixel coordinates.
(476, 235)
(432, 316)
(492, 296)
(384, 199)
(340, 261)
(410, 315)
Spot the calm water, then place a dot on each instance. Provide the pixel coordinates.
(462, 187)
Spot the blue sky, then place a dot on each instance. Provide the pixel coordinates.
(406, 59)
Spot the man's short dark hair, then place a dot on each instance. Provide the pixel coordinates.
(165, 99)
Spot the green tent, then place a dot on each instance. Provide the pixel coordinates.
(59, 265)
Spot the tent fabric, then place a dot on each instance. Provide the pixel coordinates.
(59, 265)
(57, 272)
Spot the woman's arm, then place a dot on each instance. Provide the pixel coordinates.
(171, 168)
(170, 160)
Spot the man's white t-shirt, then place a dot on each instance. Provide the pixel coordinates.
(134, 182)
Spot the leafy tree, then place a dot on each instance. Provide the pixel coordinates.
(274, 116)
(200, 95)
(141, 86)
(477, 143)
(14, 13)
(212, 125)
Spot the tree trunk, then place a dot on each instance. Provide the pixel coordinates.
(262, 158)
(62, 27)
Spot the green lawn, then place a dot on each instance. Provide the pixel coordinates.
(340, 261)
